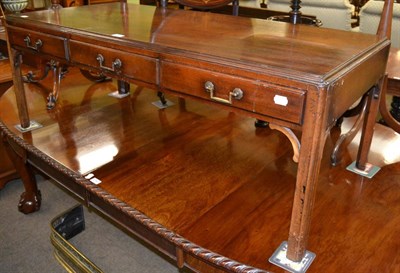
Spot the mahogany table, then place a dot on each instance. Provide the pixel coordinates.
(295, 77)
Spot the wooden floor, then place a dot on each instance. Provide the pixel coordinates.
(212, 177)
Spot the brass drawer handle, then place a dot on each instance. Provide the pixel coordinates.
(116, 64)
(38, 44)
(236, 93)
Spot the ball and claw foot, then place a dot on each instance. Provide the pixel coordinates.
(30, 202)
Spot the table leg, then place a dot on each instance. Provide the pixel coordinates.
(314, 135)
(30, 200)
(57, 75)
(15, 61)
(306, 186)
(368, 126)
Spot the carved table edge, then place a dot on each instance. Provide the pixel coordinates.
(179, 241)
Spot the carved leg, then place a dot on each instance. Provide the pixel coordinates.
(7, 169)
(292, 137)
(32, 78)
(57, 75)
(295, 13)
(30, 199)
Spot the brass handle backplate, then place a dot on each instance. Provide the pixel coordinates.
(36, 46)
(236, 93)
(115, 66)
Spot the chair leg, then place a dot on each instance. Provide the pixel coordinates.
(388, 117)
(345, 139)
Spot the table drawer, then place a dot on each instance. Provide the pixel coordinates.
(115, 62)
(254, 96)
(38, 42)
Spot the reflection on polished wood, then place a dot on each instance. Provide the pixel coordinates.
(294, 76)
(210, 176)
(7, 170)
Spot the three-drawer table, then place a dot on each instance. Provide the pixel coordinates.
(298, 78)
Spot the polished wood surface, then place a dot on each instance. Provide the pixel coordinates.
(5, 75)
(7, 170)
(211, 176)
(392, 84)
(295, 76)
(203, 32)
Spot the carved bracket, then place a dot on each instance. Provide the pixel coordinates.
(292, 137)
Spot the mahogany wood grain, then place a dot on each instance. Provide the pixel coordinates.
(331, 68)
(7, 170)
(212, 177)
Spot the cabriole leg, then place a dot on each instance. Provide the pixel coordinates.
(30, 200)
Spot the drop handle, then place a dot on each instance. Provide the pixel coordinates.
(36, 46)
(115, 65)
(236, 93)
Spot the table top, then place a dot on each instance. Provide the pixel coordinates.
(310, 54)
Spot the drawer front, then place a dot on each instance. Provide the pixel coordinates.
(258, 97)
(115, 62)
(38, 42)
